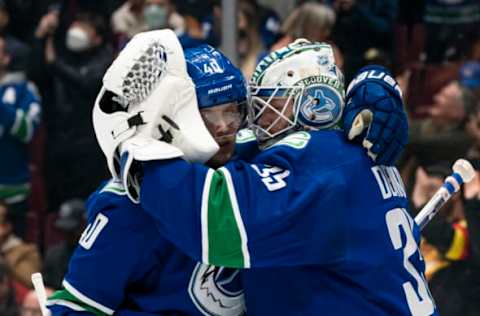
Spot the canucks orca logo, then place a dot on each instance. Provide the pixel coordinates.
(320, 106)
(217, 290)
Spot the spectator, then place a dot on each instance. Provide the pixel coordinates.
(23, 16)
(19, 118)
(128, 19)
(71, 221)
(249, 42)
(193, 12)
(470, 77)
(450, 28)
(312, 21)
(442, 136)
(22, 259)
(31, 305)
(446, 248)
(472, 215)
(269, 23)
(75, 75)
(8, 304)
(470, 80)
(15, 47)
(136, 16)
(371, 22)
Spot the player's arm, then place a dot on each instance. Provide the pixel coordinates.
(107, 259)
(21, 116)
(242, 215)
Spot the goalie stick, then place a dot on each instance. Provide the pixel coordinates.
(463, 172)
(39, 287)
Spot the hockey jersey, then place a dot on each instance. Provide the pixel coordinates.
(20, 113)
(318, 227)
(123, 266)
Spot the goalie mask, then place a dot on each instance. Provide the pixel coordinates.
(147, 90)
(297, 87)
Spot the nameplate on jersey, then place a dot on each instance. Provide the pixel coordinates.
(389, 181)
(297, 140)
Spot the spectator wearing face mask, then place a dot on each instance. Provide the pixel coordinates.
(69, 72)
(136, 16)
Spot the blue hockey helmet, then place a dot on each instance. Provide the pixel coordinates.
(217, 81)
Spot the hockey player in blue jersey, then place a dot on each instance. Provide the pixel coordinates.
(123, 266)
(319, 227)
(20, 115)
(215, 280)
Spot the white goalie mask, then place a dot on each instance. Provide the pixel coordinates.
(297, 87)
(147, 90)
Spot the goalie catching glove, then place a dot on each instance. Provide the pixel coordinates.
(148, 100)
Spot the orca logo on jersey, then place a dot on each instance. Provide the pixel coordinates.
(216, 291)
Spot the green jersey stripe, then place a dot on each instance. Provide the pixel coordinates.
(21, 128)
(14, 190)
(86, 301)
(222, 230)
(65, 298)
(68, 304)
(238, 217)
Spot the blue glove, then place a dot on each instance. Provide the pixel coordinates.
(374, 114)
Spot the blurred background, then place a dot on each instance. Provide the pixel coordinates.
(53, 55)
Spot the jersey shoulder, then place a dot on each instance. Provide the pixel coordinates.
(321, 150)
(111, 200)
(332, 150)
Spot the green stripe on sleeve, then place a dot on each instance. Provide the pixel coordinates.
(227, 242)
(66, 297)
(22, 128)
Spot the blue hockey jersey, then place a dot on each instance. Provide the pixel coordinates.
(321, 229)
(123, 266)
(20, 113)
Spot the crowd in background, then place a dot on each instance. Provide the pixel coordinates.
(53, 55)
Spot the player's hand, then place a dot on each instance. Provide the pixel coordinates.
(135, 150)
(375, 116)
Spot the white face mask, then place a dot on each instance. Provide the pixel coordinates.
(155, 16)
(77, 40)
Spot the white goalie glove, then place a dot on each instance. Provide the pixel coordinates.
(147, 109)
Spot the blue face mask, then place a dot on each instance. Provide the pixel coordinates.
(155, 16)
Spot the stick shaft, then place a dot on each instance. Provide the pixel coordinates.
(432, 207)
(37, 281)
